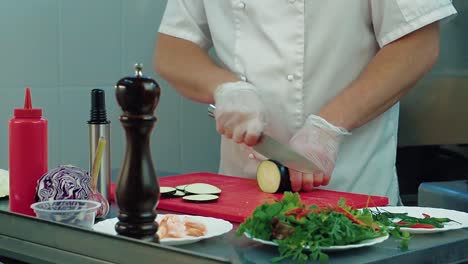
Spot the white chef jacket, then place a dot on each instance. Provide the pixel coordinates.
(300, 54)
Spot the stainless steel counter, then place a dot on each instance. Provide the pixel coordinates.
(447, 247)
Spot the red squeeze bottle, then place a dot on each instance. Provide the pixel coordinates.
(27, 155)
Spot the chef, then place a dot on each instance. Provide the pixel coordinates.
(324, 77)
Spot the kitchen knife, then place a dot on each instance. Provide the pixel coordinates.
(274, 150)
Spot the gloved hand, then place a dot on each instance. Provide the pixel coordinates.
(319, 142)
(239, 114)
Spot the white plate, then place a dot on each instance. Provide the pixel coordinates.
(415, 211)
(215, 227)
(363, 243)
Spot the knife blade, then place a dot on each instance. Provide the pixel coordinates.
(275, 150)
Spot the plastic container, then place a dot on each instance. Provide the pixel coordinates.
(27, 155)
(71, 212)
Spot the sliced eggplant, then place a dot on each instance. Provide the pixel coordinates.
(178, 194)
(272, 177)
(181, 187)
(201, 188)
(167, 192)
(200, 198)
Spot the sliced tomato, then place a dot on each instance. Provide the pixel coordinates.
(419, 225)
(300, 212)
(293, 211)
(350, 216)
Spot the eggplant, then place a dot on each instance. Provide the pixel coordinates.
(272, 177)
(167, 192)
(181, 187)
(201, 188)
(200, 198)
(178, 194)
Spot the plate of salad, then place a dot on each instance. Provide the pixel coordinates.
(362, 243)
(420, 220)
(305, 232)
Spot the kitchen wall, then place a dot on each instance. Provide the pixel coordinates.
(63, 49)
(435, 111)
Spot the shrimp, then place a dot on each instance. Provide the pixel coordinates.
(162, 230)
(194, 227)
(171, 226)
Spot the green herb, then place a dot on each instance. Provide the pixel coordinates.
(399, 220)
(401, 236)
(259, 224)
(303, 231)
(390, 219)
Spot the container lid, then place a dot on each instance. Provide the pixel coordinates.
(98, 113)
(28, 111)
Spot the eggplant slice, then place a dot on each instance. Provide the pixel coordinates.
(181, 187)
(272, 177)
(200, 198)
(167, 192)
(178, 194)
(201, 188)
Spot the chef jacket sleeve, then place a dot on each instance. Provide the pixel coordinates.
(186, 19)
(393, 19)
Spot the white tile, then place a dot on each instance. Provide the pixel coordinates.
(184, 138)
(117, 131)
(29, 43)
(165, 139)
(90, 42)
(75, 104)
(140, 23)
(74, 114)
(46, 99)
(200, 141)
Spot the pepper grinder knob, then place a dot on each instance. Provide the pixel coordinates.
(137, 191)
(138, 69)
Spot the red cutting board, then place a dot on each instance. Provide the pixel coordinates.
(240, 196)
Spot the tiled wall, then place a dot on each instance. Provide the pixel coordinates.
(63, 49)
(434, 111)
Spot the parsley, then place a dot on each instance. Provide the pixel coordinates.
(312, 227)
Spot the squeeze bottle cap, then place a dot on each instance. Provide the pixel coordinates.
(28, 111)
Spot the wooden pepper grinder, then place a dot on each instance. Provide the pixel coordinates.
(137, 191)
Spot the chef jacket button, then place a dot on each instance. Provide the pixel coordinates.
(241, 5)
(290, 77)
(243, 78)
(251, 156)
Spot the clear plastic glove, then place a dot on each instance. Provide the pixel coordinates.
(319, 142)
(240, 114)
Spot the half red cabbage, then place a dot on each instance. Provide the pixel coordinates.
(64, 183)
